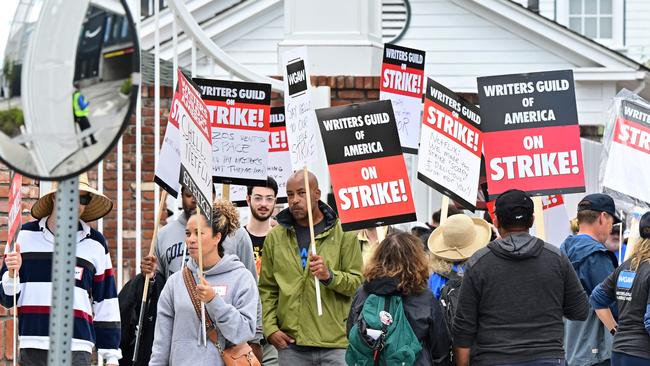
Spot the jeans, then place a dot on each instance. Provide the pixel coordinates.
(311, 356)
(622, 359)
(38, 357)
(544, 362)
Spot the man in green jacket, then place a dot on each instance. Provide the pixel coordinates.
(291, 320)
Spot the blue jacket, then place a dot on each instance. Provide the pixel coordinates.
(588, 343)
(438, 281)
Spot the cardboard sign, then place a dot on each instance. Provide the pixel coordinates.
(195, 144)
(169, 166)
(300, 117)
(366, 165)
(402, 80)
(449, 159)
(630, 151)
(279, 162)
(15, 205)
(239, 117)
(531, 133)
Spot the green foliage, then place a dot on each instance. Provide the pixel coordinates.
(10, 121)
(126, 87)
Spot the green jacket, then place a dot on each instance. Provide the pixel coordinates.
(287, 290)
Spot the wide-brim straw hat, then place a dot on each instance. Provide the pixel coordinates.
(459, 237)
(98, 207)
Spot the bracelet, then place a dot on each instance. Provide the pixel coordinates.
(613, 330)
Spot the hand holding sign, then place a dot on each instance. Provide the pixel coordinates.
(13, 261)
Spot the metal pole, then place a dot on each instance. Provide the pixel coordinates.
(63, 265)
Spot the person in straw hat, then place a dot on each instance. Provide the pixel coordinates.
(96, 310)
(515, 294)
(451, 244)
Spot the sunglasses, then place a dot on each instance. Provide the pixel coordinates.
(85, 199)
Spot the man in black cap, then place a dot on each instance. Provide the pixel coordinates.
(524, 287)
(589, 343)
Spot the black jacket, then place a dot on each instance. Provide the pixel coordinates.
(514, 295)
(423, 313)
(130, 299)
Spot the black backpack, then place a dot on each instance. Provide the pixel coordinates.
(449, 297)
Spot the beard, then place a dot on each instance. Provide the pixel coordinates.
(259, 217)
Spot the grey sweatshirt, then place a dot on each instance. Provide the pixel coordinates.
(233, 311)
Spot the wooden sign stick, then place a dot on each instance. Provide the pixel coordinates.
(444, 209)
(203, 332)
(540, 230)
(145, 290)
(319, 305)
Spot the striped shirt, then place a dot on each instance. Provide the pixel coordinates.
(96, 308)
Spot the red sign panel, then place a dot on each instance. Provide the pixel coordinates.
(14, 206)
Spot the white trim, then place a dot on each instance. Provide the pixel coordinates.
(604, 74)
(556, 38)
(562, 11)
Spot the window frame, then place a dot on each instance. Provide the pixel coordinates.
(617, 22)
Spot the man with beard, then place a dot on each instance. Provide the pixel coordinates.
(287, 289)
(261, 201)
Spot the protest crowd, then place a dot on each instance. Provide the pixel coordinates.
(312, 283)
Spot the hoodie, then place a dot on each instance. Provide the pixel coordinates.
(523, 287)
(423, 313)
(589, 342)
(233, 310)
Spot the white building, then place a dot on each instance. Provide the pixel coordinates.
(605, 42)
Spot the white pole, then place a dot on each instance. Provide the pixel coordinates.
(138, 161)
(120, 174)
(100, 188)
(175, 48)
(193, 58)
(156, 95)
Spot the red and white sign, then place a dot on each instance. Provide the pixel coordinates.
(15, 208)
(195, 144)
(169, 160)
(366, 165)
(449, 159)
(402, 82)
(531, 133)
(239, 117)
(629, 151)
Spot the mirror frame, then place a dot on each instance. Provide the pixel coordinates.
(135, 90)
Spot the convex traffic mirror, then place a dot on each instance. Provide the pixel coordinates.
(69, 79)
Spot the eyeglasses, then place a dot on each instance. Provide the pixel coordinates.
(258, 199)
(85, 199)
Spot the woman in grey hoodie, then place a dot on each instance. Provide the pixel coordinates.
(228, 290)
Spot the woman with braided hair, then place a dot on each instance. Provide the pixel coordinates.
(227, 288)
(629, 287)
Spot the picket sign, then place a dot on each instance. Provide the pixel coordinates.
(15, 218)
(301, 134)
(620, 239)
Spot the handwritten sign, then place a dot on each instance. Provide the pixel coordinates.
(239, 117)
(279, 167)
(402, 80)
(300, 117)
(195, 144)
(449, 158)
(169, 167)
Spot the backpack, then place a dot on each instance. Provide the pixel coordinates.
(394, 343)
(449, 297)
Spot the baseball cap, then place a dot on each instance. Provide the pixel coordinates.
(644, 226)
(599, 202)
(514, 204)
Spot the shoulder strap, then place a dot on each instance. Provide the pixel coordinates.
(190, 285)
(379, 346)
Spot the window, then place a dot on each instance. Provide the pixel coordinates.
(601, 20)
